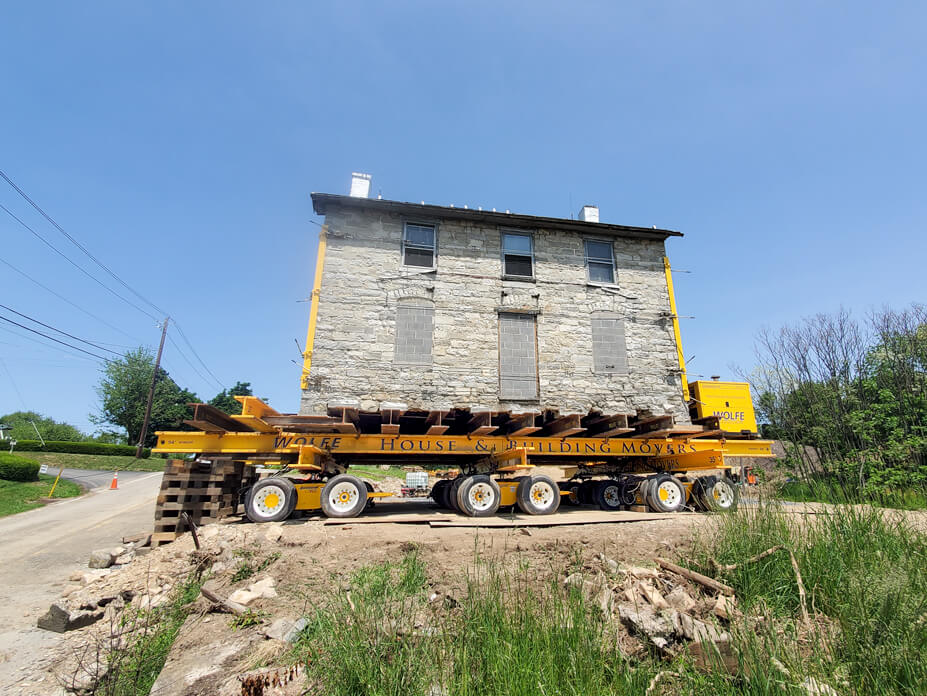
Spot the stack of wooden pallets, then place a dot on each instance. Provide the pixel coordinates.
(207, 490)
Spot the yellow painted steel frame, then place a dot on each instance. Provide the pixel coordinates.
(679, 354)
(314, 307)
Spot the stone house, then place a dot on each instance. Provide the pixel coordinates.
(437, 307)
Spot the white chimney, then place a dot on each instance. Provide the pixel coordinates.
(589, 213)
(360, 185)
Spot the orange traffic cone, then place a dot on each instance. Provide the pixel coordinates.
(115, 484)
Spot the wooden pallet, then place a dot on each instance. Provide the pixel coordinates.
(206, 490)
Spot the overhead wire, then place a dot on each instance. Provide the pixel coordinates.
(65, 299)
(52, 338)
(196, 355)
(53, 328)
(44, 344)
(186, 359)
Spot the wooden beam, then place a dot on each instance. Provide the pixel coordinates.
(481, 424)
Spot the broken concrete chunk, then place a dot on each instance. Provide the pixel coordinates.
(59, 618)
(658, 628)
(641, 573)
(262, 589)
(102, 558)
(287, 630)
(652, 595)
(680, 600)
(692, 629)
(725, 607)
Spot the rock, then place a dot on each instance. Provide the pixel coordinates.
(658, 628)
(815, 688)
(652, 595)
(725, 607)
(59, 618)
(641, 573)
(101, 559)
(692, 629)
(262, 589)
(124, 558)
(610, 565)
(680, 600)
(76, 576)
(286, 630)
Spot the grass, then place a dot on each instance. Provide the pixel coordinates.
(375, 473)
(133, 669)
(832, 492)
(19, 496)
(248, 566)
(96, 462)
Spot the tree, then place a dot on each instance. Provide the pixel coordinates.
(21, 424)
(123, 393)
(225, 399)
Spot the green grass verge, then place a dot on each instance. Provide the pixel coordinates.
(375, 473)
(96, 462)
(832, 492)
(19, 496)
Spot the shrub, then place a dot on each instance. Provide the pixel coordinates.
(13, 468)
(80, 448)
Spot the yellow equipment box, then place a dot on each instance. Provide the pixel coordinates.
(729, 401)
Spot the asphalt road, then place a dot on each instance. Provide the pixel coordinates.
(39, 549)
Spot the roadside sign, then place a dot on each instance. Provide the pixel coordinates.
(43, 469)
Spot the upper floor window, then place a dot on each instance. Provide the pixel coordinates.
(600, 262)
(517, 255)
(418, 245)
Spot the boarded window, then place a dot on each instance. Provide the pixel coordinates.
(609, 348)
(418, 245)
(518, 358)
(414, 331)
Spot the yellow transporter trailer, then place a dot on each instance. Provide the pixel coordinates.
(645, 461)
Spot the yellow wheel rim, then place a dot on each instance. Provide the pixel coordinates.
(272, 500)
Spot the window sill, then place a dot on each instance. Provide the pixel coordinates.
(420, 269)
(593, 284)
(519, 279)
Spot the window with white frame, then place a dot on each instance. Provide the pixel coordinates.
(418, 245)
(517, 255)
(600, 262)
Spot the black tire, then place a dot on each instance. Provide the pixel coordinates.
(370, 501)
(271, 500)
(701, 488)
(478, 496)
(666, 494)
(452, 492)
(437, 492)
(608, 495)
(586, 492)
(572, 499)
(722, 496)
(538, 495)
(344, 496)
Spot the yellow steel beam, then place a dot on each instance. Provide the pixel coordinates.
(679, 354)
(253, 406)
(709, 459)
(314, 307)
(430, 445)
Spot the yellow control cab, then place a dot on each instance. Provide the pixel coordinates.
(730, 402)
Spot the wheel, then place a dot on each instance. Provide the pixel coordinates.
(538, 495)
(586, 492)
(723, 496)
(701, 488)
(478, 496)
(608, 495)
(271, 500)
(370, 501)
(437, 492)
(573, 497)
(666, 494)
(344, 496)
(452, 492)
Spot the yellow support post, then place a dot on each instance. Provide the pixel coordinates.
(679, 354)
(314, 307)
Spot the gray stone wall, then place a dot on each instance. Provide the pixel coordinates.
(356, 357)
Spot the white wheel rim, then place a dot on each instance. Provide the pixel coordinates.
(268, 501)
(612, 496)
(343, 496)
(481, 496)
(723, 494)
(541, 495)
(668, 493)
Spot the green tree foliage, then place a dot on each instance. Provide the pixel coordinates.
(21, 423)
(225, 399)
(123, 393)
(850, 397)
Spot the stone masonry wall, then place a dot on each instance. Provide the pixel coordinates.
(364, 282)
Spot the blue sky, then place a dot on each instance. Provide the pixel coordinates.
(179, 142)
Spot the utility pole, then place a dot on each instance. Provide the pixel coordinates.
(154, 379)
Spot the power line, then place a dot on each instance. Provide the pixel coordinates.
(63, 333)
(65, 299)
(13, 382)
(79, 268)
(79, 245)
(43, 344)
(197, 356)
(52, 338)
(186, 359)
